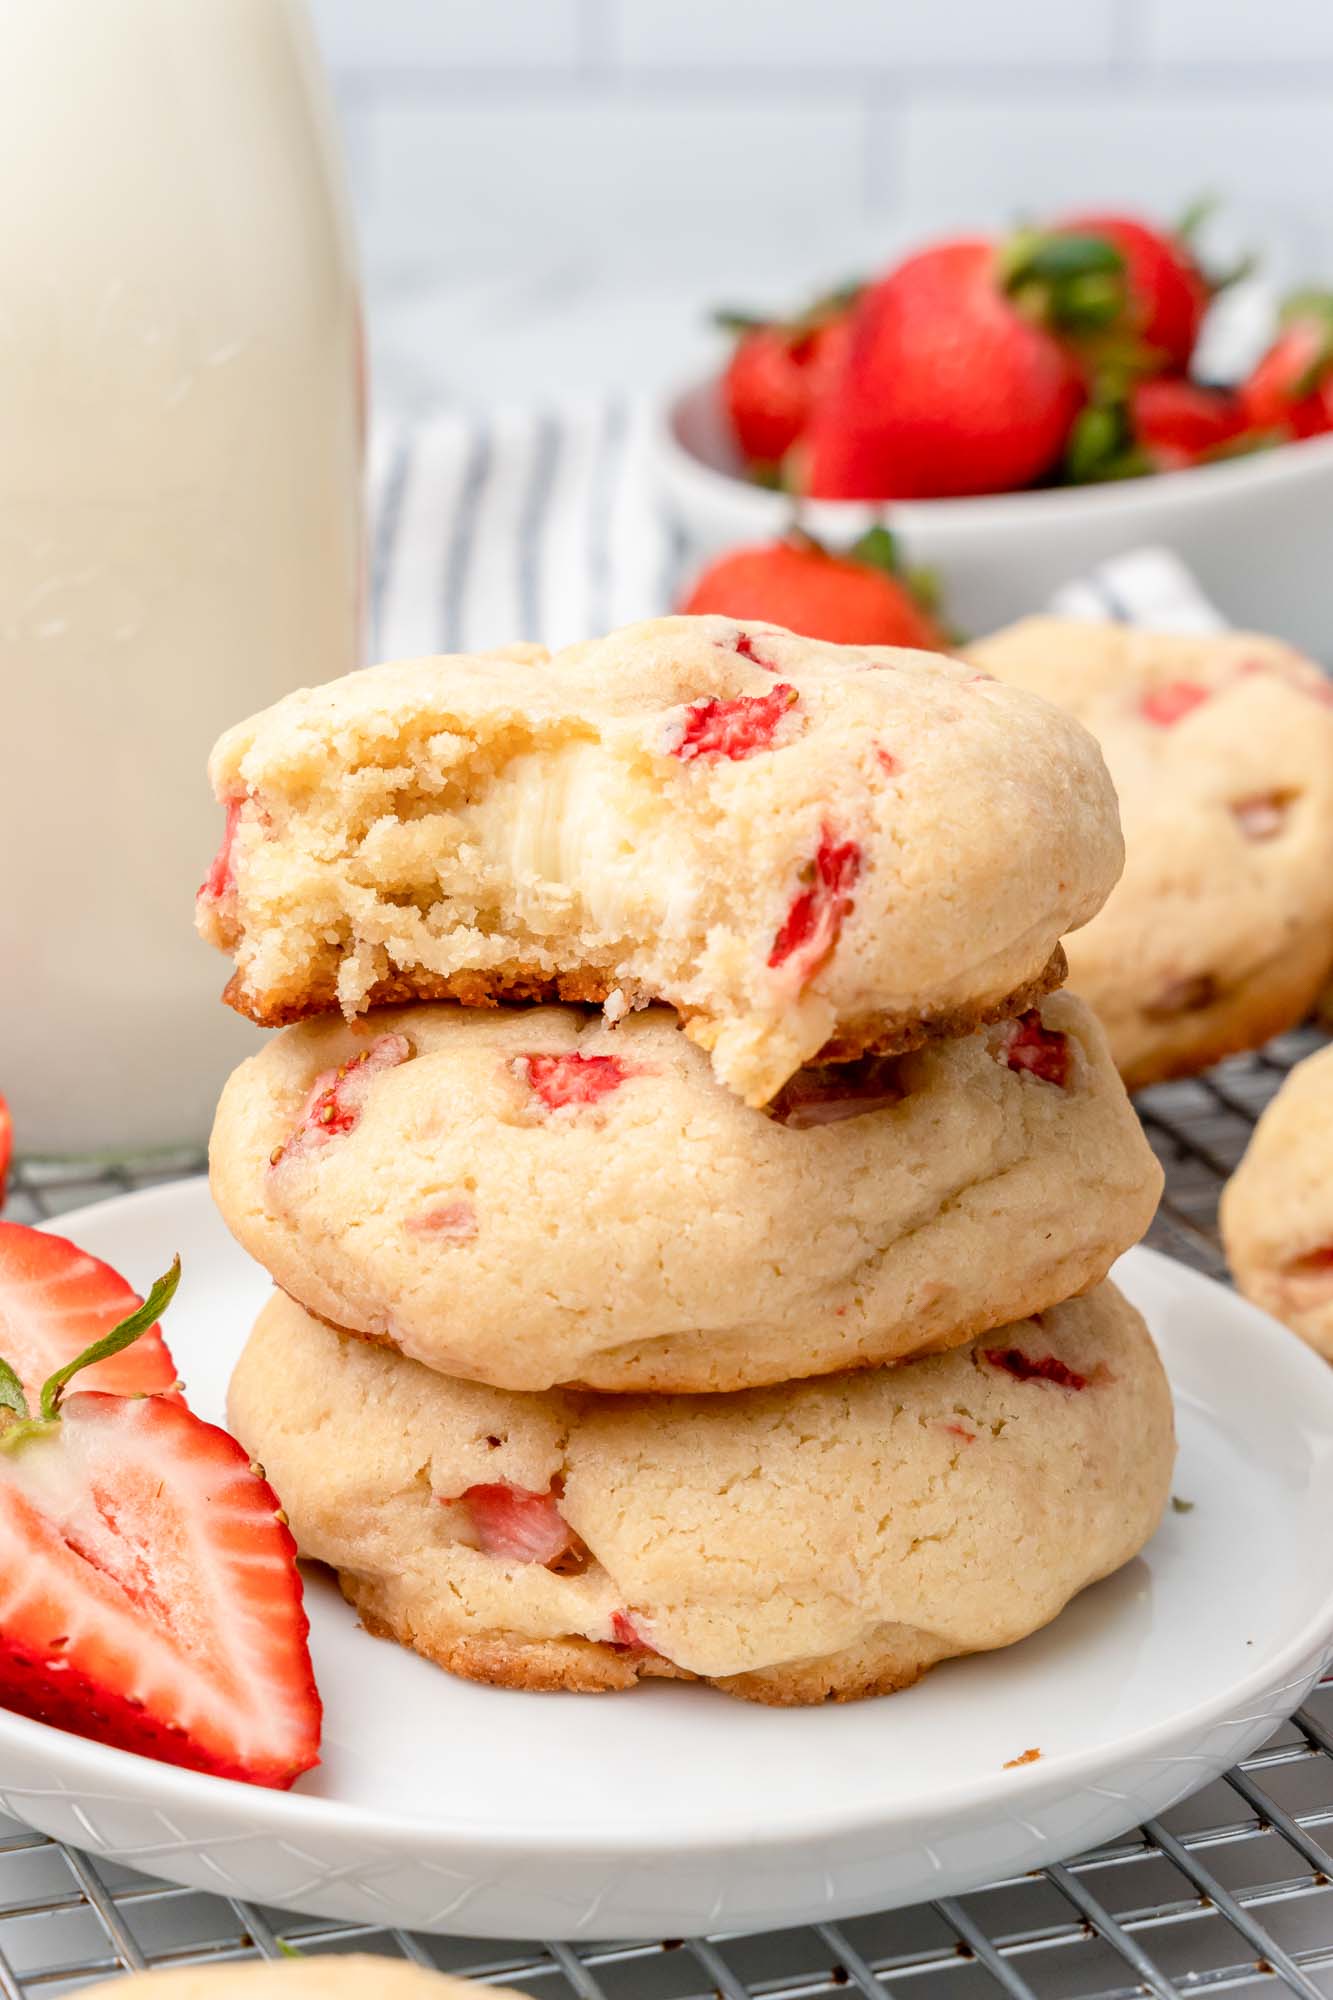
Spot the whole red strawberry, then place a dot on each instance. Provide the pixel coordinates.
(1167, 293)
(1174, 422)
(950, 382)
(777, 369)
(854, 600)
(1290, 392)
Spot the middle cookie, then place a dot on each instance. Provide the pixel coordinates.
(531, 1199)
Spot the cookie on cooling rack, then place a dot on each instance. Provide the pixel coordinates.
(1220, 932)
(330, 1976)
(1277, 1208)
(530, 1197)
(805, 849)
(818, 1541)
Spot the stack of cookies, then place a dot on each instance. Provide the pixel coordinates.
(688, 1194)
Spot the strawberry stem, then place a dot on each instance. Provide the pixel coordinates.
(124, 1335)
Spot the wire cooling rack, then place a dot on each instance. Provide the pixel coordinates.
(1231, 1891)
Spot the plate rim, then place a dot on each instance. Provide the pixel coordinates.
(274, 1812)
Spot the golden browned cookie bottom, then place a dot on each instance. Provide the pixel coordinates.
(884, 1034)
(582, 1666)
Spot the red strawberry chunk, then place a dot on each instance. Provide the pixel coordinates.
(1316, 1264)
(736, 728)
(960, 1431)
(1035, 1368)
(149, 1596)
(812, 923)
(220, 878)
(626, 1632)
(888, 763)
(56, 1300)
(448, 1221)
(1041, 1051)
(745, 646)
(1262, 817)
(519, 1526)
(337, 1097)
(1171, 702)
(572, 1079)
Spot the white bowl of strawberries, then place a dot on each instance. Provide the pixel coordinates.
(1016, 412)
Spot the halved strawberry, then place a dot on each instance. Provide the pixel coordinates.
(149, 1596)
(56, 1300)
(6, 1146)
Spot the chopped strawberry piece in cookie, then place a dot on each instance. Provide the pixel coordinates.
(887, 762)
(810, 929)
(1030, 1045)
(734, 729)
(960, 1431)
(828, 1093)
(745, 646)
(519, 1526)
(337, 1097)
(448, 1221)
(1262, 817)
(625, 1632)
(1035, 1367)
(1173, 701)
(220, 879)
(571, 1079)
(1314, 1264)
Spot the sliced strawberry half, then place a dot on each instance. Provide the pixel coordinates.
(149, 1596)
(55, 1301)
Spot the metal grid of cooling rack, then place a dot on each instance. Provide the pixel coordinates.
(1231, 1891)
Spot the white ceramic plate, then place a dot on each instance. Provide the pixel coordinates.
(1254, 531)
(672, 1809)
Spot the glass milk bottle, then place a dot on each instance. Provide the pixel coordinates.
(180, 537)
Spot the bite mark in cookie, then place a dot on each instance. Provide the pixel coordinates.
(815, 918)
(336, 1098)
(733, 729)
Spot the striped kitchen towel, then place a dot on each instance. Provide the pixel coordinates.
(544, 526)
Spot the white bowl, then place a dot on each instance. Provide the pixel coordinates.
(1257, 531)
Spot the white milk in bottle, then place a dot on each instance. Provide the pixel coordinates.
(180, 436)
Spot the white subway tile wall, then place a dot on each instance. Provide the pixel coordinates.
(497, 142)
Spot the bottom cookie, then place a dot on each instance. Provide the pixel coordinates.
(818, 1541)
(350, 1977)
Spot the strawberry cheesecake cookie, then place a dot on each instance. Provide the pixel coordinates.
(530, 1197)
(805, 849)
(1277, 1209)
(811, 1542)
(1220, 933)
(351, 1976)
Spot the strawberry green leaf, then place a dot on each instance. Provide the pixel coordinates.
(120, 1337)
(11, 1392)
(877, 549)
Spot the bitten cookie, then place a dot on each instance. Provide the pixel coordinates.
(1277, 1208)
(529, 1197)
(1220, 933)
(330, 1976)
(818, 1541)
(803, 848)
